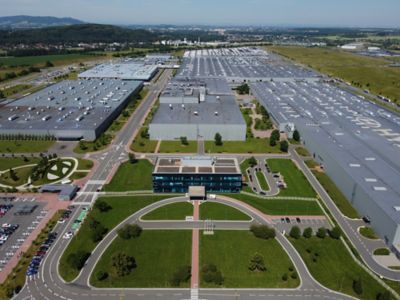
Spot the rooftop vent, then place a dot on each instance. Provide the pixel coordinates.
(380, 188)
(216, 113)
(354, 165)
(370, 179)
(370, 158)
(196, 113)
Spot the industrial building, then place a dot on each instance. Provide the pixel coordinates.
(177, 175)
(356, 142)
(198, 109)
(69, 110)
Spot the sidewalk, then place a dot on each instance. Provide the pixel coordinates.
(195, 248)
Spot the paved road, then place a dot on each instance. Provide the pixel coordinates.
(345, 223)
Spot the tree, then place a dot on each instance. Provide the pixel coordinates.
(211, 274)
(284, 146)
(183, 274)
(184, 140)
(383, 296)
(122, 264)
(218, 139)
(275, 137)
(296, 135)
(252, 161)
(243, 89)
(98, 232)
(321, 233)
(101, 275)
(77, 260)
(357, 286)
(335, 233)
(49, 64)
(1, 94)
(307, 233)
(102, 206)
(129, 231)
(132, 158)
(13, 175)
(257, 263)
(295, 232)
(263, 231)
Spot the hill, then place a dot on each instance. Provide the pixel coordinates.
(25, 22)
(88, 33)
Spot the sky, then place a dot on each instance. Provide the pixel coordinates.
(328, 13)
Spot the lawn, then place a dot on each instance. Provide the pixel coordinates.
(158, 254)
(41, 59)
(302, 151)
(15, 89)
(174, 211)
(84, 164)
(7, 163)
(311, 163)
(22, 177)
(297, 184)
(330, 254)
(122, 207)
(61, 164)
(231, 252)
(25, 146)
(262, 181)
(219, 211)
(281, 207)
(336, 195)
(131, 177)
(369, 233)
(243, 167)
(251, 145)
(177, 147)
(366, 72)
(142, 145)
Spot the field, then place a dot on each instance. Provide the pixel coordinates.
(336, 195)
(262, 181)
(142, 145)
(373, 74)
(131, 177)
(231, 252)
(281, 207)
(174, 211)
(41, 60)
(329, 254)
(158, 254)
(22, 177)
(122, 207)
(25, 146)
(177, 147)
(297, 184)
(252, 145)
(219, 211)
(15, 89)
(7, 163)
(369, 233)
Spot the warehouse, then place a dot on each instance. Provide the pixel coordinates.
(198, 109)
(356, 142)
(177, 175)
(69, 110)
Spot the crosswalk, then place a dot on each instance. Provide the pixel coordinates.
(194, 294)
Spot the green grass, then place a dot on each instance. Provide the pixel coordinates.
(131, 177)
(219, 211)
(302, 151)
(60, 165)
(84, 164)
(22, 174)
(142, 145)
(252, 145)
(243, 167)
(231, 252)
(262, 181)
(281, 207)
(177, 147)
(310, 163)
(122, 207)
(297, 184)
(374, 72)
(7, 163)
(41, 59)
(174, 211)
(158, 255)
(25, 146)
(382, 251)
(369, 233)
(336, 195)
(78, 175)
(15, 89)
(333, 256)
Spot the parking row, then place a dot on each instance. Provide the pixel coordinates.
(37, 259)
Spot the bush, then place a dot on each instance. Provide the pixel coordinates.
(101, 275)
(211, 274)
(129, 231)
(252, 161)
(263, 231)
(383, 296)
(132, 158)
(97, 233)
(296, 135)
(357, 287)
(285, 277)
(381, 251)
(307, 233)
(102, 206)
(295, 232)
(77, 260)
(335, 233)
(294, 275)
(183, 274)
(257, 263)
(321, 233)
(284, 146)
(122, 264)
(218, 139)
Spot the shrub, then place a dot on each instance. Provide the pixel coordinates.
(294, 275)
(102, 206)
(252, 161)
(101, 275)
(211, 274)
(296, 135)
(122, 264)
(183, 274)
(132, 158)
(357, 286)
(257, 263)
(77, 260)
(321, 233)
(129, 231)
(98, 232)
(284, 146)
(307, 233)
(295, 232)
(285, 277)
(218, 139)
(383, 296)
(263, 231)
(335, 233)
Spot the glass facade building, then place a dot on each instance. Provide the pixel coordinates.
(179, 182)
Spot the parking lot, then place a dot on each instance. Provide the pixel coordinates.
(285, 223)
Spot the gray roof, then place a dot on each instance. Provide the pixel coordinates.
(64, 190)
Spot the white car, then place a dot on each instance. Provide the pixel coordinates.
(61, 221)
(68, 235)
(6, 225)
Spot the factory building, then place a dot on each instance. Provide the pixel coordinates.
(198, 109)
(69, 110)
(178, 175)
(356, 142)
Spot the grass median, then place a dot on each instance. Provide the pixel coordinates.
(219, 211)
(174, 211)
